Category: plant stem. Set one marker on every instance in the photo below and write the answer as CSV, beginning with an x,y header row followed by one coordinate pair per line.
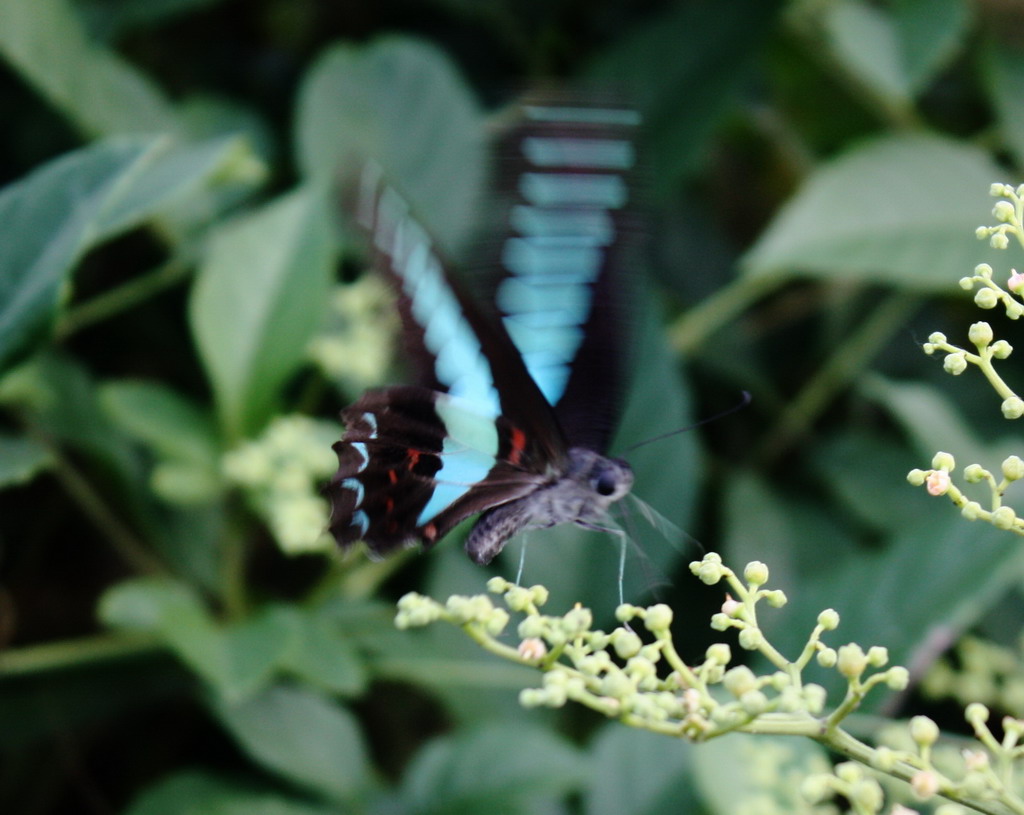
x,y
123,297
701,322
54,656
843,366
116,532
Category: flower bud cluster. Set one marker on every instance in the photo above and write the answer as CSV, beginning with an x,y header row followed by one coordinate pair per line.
x,y
281,473
938,481
634,674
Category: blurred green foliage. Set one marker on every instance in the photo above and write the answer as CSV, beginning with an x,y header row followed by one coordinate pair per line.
x,y
168,252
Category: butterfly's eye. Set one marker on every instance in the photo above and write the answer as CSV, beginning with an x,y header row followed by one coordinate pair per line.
x,y
606,483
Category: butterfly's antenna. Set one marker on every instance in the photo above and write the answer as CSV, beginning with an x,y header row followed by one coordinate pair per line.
x,y
727,412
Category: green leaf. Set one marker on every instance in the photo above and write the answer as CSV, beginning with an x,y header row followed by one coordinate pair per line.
x,y
20,460
737,773
863,40
97,90
930,34
237,660
161,418
932,422
259,298
700,52
1002,71
490,770
194,793
49,219
400,102
55,214
899,210
634,772
301,736
324,655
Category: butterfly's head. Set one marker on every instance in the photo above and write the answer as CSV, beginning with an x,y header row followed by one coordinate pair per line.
x,y
608,478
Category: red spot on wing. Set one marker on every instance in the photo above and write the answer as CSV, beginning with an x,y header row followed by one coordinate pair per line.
x,y
518,445
414,458
389,506
392,477
430,532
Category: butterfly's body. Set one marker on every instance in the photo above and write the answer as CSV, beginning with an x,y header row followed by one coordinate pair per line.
x,y
518,401
580,495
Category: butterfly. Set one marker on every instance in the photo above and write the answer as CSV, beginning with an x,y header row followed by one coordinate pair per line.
x,y
519,395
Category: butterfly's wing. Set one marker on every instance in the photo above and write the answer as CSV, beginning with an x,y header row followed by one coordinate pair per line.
x,y
413,462
565,267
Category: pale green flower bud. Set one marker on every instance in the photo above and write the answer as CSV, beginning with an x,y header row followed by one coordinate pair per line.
x,y
943,461
555,697
955,363
980,334
540,594
897,678
496,622
999,241
756,573
754,702
617,685
497,585
577,620
626,612
1003,518
829,619
1001,349
925,784
815,696
916,477
849,771
852,661
966,283
923,731
866,795
739,680
658,617
986,298
972,511
719,653
750,639
641,669
1003,211
981,233
710,573
720,622
997,189
651,651
928,348
776,598
976,714
878,655
884,759
827,657
974,473
937,338
531,697
1013,407
518,598
531,627
626,643
816,788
